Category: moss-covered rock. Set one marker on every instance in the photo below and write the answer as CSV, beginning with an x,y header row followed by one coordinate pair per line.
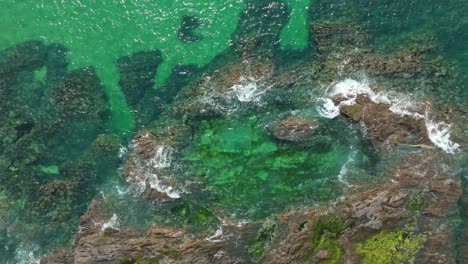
x,y
257,246
324,244
391,247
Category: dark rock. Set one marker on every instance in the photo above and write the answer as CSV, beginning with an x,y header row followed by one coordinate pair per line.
x,y
338,36
137,74
353,111
61,257
26,56
406,61
80,96
187,26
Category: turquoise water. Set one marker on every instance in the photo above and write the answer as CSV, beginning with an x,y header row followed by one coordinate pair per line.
x,y
60,140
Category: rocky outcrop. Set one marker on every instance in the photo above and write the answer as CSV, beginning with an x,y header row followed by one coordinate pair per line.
x,y
149,170
384,127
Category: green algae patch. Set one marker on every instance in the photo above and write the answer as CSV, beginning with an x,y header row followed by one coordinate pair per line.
x,y
202,217
391,247
182,211
325,237
257,246
242,165
415,204
52,169
40,74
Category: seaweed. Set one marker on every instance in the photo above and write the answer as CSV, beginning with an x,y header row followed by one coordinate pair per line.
x,y
325,237
391,247
257,246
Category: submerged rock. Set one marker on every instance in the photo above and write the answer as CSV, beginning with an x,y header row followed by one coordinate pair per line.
x,y
296,129
186,30
80,96
137,74
26,56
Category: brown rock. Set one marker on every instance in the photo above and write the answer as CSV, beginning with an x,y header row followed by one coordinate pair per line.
x,y
352,111
61,257
148,169
295,129
384,127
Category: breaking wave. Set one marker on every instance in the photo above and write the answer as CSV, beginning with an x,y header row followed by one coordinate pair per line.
x,y
438,132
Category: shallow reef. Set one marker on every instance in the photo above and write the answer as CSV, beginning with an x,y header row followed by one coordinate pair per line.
x,y
255,132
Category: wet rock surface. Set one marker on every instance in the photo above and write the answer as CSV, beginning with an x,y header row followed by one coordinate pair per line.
x,y
384,127
295,129
148,169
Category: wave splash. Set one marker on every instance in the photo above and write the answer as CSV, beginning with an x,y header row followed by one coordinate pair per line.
x,y
438,132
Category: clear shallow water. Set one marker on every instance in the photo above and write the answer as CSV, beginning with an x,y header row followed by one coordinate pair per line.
x,y
98,33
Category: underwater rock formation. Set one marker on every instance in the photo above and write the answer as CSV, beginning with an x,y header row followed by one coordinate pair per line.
x,y
295,129
80,96
137,74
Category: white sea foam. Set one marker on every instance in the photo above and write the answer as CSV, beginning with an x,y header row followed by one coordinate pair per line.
x,y
346,167
328,109
113,223
438,132
349,89
120,191
149,171
220,254
123,151
216,237
242,223
248,90
157,185
406,107
27,254
218,102
162,157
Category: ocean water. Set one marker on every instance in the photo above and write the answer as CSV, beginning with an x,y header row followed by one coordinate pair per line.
x,y
61,141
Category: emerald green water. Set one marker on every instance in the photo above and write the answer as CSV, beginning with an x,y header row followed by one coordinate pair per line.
x,y
97,33
53,164
243,166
